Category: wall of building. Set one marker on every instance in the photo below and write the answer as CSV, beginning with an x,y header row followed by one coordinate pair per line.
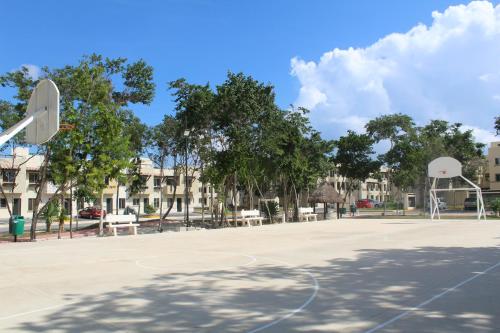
x,y
494,165
23,191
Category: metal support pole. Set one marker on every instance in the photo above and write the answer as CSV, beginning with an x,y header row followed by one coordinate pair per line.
x,y
186,197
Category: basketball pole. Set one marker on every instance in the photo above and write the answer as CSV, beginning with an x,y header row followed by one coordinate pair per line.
x,y
12,131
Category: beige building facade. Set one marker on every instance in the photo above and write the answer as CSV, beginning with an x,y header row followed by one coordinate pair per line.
x,y
20,175
492,176
372,188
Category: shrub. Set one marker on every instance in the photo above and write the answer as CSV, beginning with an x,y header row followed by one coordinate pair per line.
x,y
495,206
148,209
270,209
51,213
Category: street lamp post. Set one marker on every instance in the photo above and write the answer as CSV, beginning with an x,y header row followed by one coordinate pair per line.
x,y
186,193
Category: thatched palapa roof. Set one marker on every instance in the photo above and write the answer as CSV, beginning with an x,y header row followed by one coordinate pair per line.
x,y
325,193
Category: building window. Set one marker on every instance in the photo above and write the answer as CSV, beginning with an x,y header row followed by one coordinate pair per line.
x,y
144,181
33,178
497,160
497,177
9,176
3,203
156,202
31,203
157,182
80,204
106,180
67,206
135,202
121,203
171,180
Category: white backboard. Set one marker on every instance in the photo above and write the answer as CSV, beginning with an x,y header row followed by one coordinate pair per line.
x,y
44,105
445,167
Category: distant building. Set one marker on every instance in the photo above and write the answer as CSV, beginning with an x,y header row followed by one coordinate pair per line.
x,y
20,176
492,176
371,188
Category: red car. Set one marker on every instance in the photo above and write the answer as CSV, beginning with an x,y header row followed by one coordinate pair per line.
x,y
364,203
92,213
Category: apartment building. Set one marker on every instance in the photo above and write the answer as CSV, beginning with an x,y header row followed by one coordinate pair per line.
x,y
20,175
492,176
371,188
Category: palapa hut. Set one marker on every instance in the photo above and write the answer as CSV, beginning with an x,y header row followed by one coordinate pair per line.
x,y
325,193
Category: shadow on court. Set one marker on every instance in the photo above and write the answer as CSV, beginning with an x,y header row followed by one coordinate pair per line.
x,y
354,296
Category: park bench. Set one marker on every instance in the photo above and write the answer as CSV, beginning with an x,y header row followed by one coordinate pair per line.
x,y
128,222
307,212
250,216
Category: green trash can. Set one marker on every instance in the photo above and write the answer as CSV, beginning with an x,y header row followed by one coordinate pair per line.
x,y
343,211
16,226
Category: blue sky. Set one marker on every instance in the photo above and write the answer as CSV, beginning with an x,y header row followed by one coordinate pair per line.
x,y
201,40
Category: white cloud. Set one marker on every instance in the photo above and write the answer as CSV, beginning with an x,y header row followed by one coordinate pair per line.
x,y
482,135
33,70
448,70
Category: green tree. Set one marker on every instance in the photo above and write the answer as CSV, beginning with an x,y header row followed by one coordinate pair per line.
x,y
353,159
389,127
164,149
194,114
10,114
98,147
139,136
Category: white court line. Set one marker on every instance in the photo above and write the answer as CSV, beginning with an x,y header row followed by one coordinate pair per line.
x,y
430,300
32,311
297,310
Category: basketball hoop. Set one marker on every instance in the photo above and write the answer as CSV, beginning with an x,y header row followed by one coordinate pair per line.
x,y
42,116
447,168
66,127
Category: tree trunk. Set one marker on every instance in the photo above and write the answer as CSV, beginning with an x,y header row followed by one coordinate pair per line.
x,y
285,198
265,202
71,210
202,198
117,196
296,204
101,222
160,222
61,217
235,204
212,204
38,198
174,195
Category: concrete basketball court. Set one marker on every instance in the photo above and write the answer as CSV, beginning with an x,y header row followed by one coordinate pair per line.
x,y
334,276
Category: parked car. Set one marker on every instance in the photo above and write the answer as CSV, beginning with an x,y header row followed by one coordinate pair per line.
x,y
129,211
442,205
376,203
364,203
92,213
470,204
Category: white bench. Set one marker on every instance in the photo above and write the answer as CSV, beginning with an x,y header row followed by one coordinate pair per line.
x,y
307,212
125,221
249,216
